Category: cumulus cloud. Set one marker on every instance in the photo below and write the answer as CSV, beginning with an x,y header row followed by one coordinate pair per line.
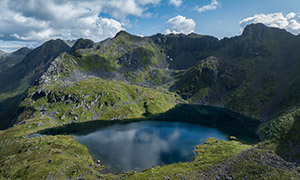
x,y
277,20
212,6
145,2
294,26
290,15
176,3
36,21
180,24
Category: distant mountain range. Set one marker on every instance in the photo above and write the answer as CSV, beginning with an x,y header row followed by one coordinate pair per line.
x,y
8,60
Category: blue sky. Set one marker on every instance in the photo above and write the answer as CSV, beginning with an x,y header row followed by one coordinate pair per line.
x,y
30,23
221,22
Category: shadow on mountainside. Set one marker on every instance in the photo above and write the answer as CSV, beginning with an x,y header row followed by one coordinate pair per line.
x,y
9,110
231,123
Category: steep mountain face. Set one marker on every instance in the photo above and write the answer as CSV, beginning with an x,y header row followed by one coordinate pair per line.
x,y
209,82
15,80
256,73
8,60
264,65
186,51
32,66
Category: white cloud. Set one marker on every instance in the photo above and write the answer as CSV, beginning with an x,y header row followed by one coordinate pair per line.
x,y
290,15
145,2
14,45
180,24
277,20
294,26
36,21
176,3
212,6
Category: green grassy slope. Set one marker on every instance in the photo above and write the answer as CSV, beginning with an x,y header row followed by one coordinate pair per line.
x,y
96,98
256,74
58,157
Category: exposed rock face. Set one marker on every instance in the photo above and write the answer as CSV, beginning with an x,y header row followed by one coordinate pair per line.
x,y
60,70
186,51
17,79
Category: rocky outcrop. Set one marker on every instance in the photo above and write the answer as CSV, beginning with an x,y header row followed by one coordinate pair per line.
x,y
62,69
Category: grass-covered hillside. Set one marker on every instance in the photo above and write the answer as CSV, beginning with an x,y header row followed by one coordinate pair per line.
x,y
130,77
59,99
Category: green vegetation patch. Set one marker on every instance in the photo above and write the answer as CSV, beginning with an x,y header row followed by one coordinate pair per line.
x,y
44,157
96,98
208,156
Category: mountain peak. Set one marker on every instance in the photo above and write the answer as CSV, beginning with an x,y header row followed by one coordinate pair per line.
x,y
125,35
257,28
54,43
122,33
22,51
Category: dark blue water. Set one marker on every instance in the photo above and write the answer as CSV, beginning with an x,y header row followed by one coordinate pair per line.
x,y
142,145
